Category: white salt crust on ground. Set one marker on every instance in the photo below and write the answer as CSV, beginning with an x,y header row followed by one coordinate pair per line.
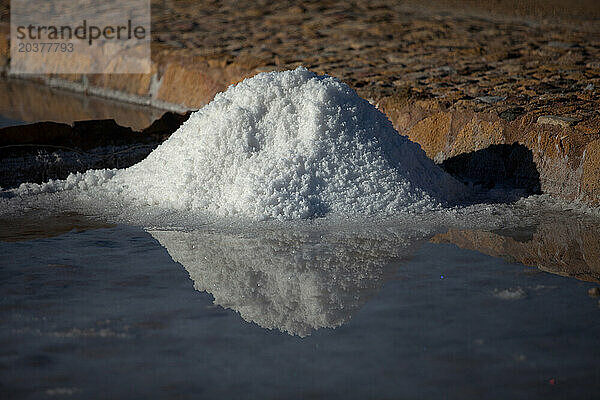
x,y
280,145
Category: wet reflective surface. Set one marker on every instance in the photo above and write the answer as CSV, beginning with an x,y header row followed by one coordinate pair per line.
x,y
567,245
295,282
6,121
26,102
111,311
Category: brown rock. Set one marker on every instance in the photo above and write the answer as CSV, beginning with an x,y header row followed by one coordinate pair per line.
x,y
82,135
4,49
187,86
563,122
591,173
38,133
432,133
131,84
590,126
28,152
163,127
476,135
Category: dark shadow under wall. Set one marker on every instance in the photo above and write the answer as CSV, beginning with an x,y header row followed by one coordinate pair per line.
x,y
48,150
505,168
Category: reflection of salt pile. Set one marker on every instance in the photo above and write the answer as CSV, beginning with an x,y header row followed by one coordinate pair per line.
x,y
295,282
283,145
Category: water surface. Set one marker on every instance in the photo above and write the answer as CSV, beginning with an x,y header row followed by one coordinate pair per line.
x,y
105,311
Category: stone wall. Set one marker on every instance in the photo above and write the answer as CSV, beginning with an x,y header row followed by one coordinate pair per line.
x,y
454,79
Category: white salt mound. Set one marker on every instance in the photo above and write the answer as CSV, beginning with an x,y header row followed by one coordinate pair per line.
x,y
281,145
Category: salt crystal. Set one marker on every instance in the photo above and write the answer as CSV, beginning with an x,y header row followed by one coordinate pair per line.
x,y
280,145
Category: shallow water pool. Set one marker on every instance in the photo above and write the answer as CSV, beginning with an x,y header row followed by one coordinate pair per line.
x,y
104,311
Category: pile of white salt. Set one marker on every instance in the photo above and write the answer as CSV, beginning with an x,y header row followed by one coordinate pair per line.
x,y
280,145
